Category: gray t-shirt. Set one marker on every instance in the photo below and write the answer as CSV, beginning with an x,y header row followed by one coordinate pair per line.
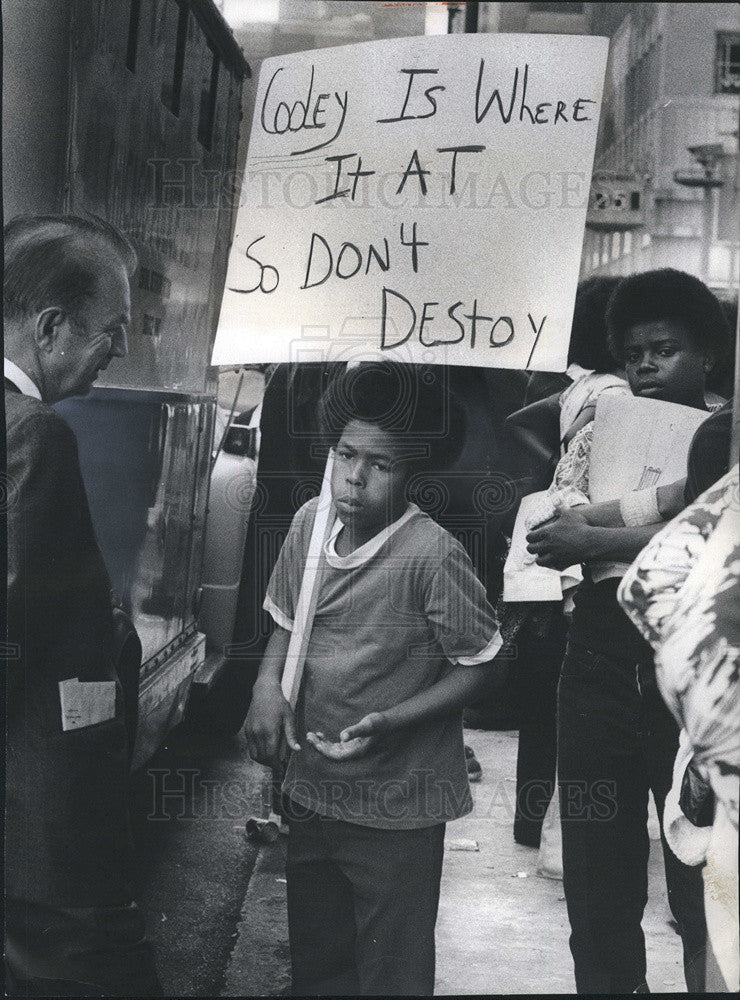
x,y
391,618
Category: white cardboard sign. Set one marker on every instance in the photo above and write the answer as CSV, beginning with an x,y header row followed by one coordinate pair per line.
x,y
419,199
639,443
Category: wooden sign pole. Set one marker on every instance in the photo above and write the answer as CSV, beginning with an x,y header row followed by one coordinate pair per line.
x,y
308,597
309,592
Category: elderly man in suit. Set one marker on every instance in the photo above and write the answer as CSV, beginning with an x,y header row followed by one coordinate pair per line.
x,y
72,926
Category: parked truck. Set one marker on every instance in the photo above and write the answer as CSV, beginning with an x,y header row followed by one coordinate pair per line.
x,y
130,110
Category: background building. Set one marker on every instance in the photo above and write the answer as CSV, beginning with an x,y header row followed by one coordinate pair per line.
x,y
665,184
665,190
276,27
267,28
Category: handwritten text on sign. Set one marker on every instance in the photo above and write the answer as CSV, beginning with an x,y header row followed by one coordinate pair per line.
x,y
421,199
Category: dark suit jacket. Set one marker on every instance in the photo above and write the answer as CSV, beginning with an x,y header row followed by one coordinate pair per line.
x,y
67,832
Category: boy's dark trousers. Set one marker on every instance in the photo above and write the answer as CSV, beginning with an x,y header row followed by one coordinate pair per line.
x,y
539,656
616,741
362,905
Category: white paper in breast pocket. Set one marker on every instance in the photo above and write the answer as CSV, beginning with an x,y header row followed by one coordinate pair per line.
x,y
85,703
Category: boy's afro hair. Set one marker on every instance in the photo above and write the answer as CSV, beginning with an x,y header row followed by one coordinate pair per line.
x,y
413,402
588,346
667,294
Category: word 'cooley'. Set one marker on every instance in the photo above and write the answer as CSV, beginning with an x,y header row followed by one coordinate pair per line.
x,y
283,113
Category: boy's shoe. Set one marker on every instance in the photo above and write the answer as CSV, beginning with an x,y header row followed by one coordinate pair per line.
x,y
475,771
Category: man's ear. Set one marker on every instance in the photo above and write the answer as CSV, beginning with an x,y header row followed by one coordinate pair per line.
x,y
49,323
709,362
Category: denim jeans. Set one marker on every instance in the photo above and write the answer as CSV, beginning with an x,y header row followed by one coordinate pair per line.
x,y
362,905
616,742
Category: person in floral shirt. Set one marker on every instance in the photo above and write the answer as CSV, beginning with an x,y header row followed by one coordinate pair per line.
x,y
683,594
617,741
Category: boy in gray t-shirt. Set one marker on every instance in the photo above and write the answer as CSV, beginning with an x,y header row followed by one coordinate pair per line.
x,y
402,638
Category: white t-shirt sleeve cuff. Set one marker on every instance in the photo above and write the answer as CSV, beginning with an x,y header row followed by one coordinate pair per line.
x,y
486,654
278,616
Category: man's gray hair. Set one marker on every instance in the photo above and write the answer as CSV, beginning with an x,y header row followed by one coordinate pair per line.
x,y
54,260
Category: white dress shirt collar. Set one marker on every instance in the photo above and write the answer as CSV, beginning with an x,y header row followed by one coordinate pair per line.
x,y
20,380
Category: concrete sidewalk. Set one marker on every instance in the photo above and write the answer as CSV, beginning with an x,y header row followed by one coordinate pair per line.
x,y
260,962
501,927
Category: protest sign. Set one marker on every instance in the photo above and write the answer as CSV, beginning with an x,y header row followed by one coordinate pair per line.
x,y
639,443
418,199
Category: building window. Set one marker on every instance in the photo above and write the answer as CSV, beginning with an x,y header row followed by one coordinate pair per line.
x,y
177,26
208,96
727,63
150,326
627,242
616,240
133,34
154,281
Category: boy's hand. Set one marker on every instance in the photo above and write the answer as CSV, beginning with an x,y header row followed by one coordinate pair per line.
x,y
561,542
269,718
354,741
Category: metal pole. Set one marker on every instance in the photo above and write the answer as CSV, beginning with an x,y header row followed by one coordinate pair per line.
x,y
706,235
